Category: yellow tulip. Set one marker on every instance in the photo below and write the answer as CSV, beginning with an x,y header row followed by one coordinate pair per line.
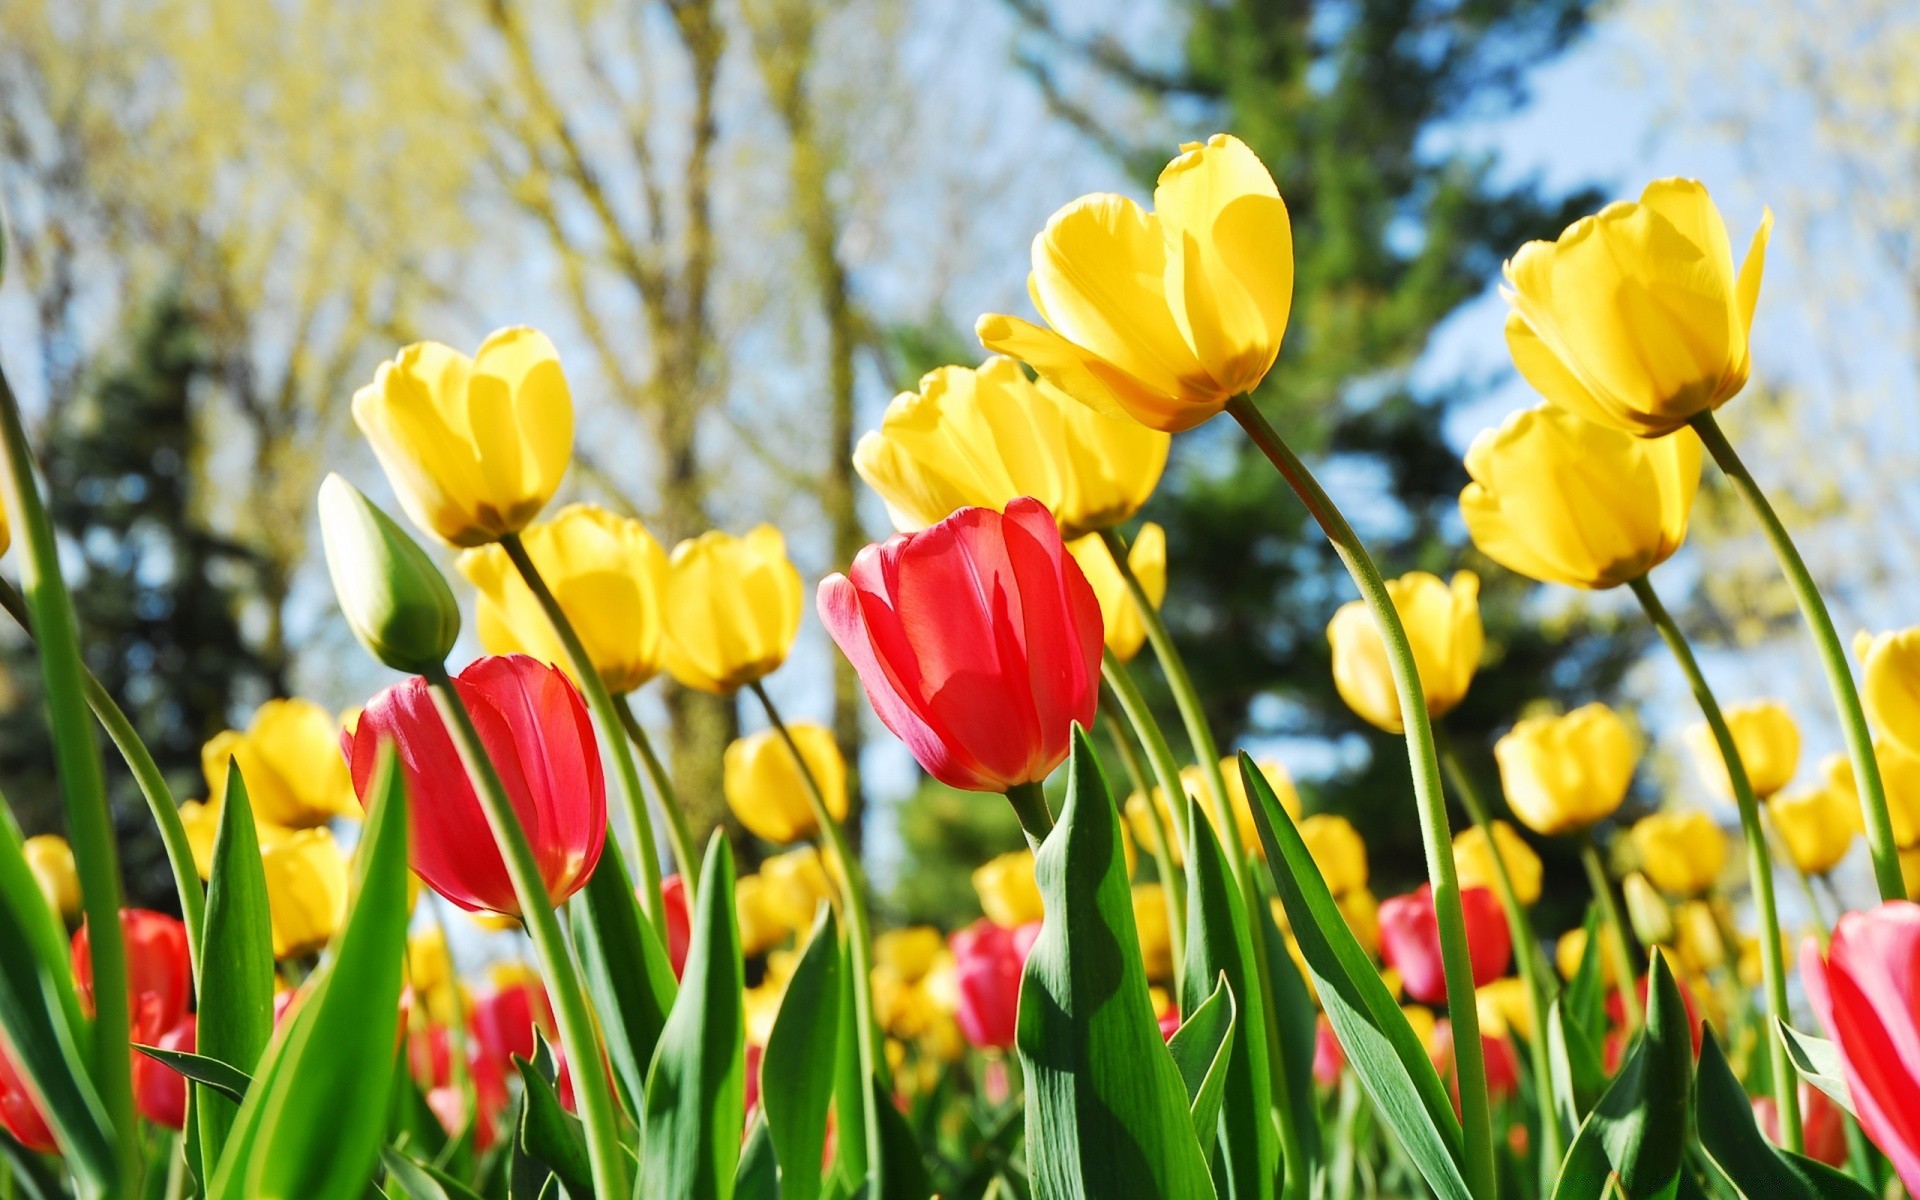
x,y
6,532
1647,911
796,883
1910,870
429,965
290,760
981,437
1504,1008
1150,919
766,790
762,914
1899,775
1681,852
1816,825
1148,559
910,953
1362,912
1443,624
1563,500
1768,743
1473,860
1564,774
1891,687
731,611
1569,950
50,859
1337,849
1697,938
1635,318
306,891
605,570
1194,782
474,447
1424,1023
1163,315
760,1006
1008,894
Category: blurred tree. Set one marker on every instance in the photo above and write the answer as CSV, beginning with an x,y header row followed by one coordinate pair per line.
x,y
1394,228
157,593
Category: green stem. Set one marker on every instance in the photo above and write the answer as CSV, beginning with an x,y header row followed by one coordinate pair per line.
x,y
1029,802
1476,1118
686,852
578,1034
1626,978
1172,883
1166,770
859,942
146,773
1759,860
1833,658
1192,713
1527,956
608,715
82,785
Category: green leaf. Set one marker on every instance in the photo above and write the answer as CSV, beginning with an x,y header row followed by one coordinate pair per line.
x,y
796,1074
1586,991
421,1181
313,1121
1828,1182
906,1170
236,965
1386,1055
696,1091
1818,1062
1297,1020
1733,1141
31,1178
1246,1163
1579,1075
1201,1049
551,1135
1636,1136
758,1177
628,977
225,1079
40,1016
1106,1113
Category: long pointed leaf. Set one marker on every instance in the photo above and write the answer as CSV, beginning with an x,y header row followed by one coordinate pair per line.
x,y
1106,1113
796,1075
236,963
1736,1145
1818,1062
627,974
1201,1049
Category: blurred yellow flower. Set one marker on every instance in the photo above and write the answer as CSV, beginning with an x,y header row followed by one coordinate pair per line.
x,y
1816,826
1425,1025
985,436
1563,500
1150,918
911,953
1337,850
732,609
1682,852
1899,776
1163,315
1635,317
766,790
290,759
1473,860
605,570
1891,687
50,859
1194,782
1563,774
1569,950
1148,559
1647,911
1697,937
306,891
1504,1008
1910,870
762,914
1362,912
1767,740
1008,894
474,447
796,883
1443,624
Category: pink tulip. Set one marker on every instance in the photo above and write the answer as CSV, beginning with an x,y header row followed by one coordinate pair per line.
x,y
1864,994
987,963
1410,941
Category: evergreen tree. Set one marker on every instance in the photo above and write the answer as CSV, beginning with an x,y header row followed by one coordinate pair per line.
x,y
157,593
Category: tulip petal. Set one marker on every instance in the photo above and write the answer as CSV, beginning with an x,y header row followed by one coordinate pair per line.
x,y
1755,265
1087,377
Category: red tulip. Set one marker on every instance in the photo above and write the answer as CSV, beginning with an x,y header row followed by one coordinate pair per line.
x,y
506,1022
987,961
1503,1066
159,971
161,1091
673,893
754,1055
1821,1121
1410,941
1864,994
1328,1058
536,731
978,642
430,1056
19,1114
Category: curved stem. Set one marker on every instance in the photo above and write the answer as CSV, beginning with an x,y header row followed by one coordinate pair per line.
x,y
1476,1118
604,710
1166,770
1192,714
1833,658
1029,801
1759,860
859,942
1527,956
146,774
83,789
1626,978
578,1034
686,852
1172,885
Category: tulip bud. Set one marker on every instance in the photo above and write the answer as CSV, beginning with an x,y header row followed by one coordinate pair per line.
x,y
1647,912
306,891
766,791
1765,738
1473,860
1147,558
1337,850
1681,852
395,601
1815,826
1697,938
1008,894
1891,688
1442,622
1564,774
51,861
